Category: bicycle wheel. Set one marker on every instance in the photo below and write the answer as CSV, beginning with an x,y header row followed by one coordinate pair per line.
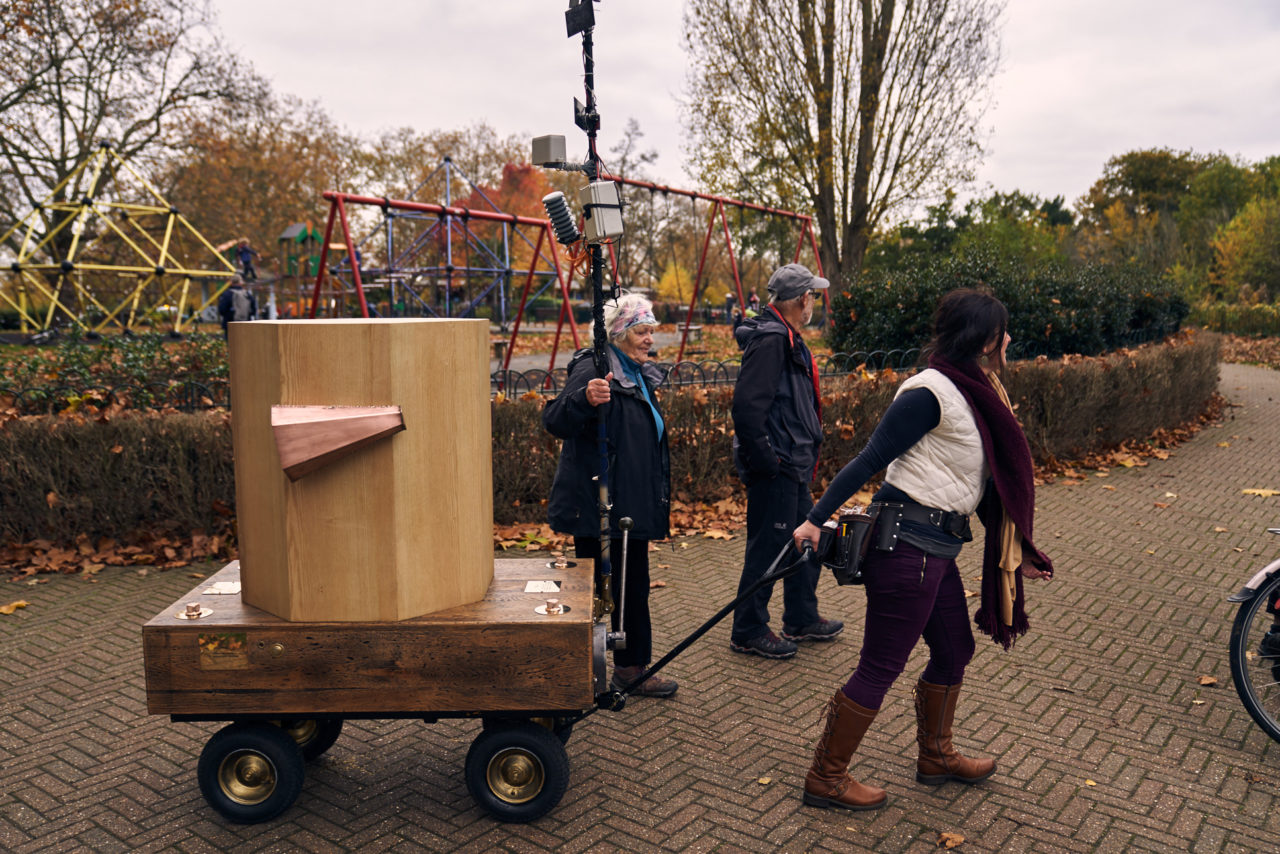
x,y
1255,658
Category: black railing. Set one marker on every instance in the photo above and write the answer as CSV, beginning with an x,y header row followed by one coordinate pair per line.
x,y
192,396
707,372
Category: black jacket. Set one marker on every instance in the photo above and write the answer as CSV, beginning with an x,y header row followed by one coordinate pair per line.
x,y
639,464
777,421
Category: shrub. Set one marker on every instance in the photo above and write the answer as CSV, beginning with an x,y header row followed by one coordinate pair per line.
x,y
1075,405
1053,309
60,477
1259,320
116,360
70,475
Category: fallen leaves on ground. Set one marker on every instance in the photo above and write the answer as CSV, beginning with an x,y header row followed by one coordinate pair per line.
x,y
13,606
947,839
1261,493
1206,679
87,557
529,537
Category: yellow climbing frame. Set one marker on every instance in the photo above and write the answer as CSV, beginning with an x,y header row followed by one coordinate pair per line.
x,y
94,294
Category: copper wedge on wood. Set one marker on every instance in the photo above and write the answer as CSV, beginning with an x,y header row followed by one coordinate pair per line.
x,y
309,437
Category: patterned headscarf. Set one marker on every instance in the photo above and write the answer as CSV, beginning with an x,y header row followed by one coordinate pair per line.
x,y
630,310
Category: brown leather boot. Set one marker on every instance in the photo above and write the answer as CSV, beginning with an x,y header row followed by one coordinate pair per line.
x,y
939,761
827,784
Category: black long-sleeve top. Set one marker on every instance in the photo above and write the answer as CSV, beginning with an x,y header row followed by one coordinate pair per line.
x,y
911,415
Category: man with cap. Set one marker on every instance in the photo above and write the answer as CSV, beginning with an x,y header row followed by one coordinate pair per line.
x,y
777,422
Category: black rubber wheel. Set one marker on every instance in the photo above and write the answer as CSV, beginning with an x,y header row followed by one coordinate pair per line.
x,y
314,736
517,772
250,772
1255,658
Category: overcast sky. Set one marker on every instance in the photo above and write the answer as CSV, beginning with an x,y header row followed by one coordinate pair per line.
x,y
1081,80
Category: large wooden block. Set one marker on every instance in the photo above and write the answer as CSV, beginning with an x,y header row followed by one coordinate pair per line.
x,y
399,528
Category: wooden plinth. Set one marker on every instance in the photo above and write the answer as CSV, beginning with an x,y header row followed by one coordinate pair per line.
x,y
494,655
398,528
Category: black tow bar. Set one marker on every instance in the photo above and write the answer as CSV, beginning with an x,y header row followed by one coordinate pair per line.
x,y
614,700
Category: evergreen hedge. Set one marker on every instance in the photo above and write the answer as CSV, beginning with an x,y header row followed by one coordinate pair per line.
x,y
1053,310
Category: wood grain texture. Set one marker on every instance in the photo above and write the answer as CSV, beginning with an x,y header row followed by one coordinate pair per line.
x,y
402,528
497,654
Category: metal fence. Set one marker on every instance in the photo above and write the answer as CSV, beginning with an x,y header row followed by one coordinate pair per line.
x,y
707,372
192,396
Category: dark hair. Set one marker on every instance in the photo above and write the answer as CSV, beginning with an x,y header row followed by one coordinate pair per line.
x,y
965,322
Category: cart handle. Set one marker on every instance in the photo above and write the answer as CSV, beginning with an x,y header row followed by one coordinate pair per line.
x,y
614,700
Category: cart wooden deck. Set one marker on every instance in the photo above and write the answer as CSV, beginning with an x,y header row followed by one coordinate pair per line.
x,y
495,655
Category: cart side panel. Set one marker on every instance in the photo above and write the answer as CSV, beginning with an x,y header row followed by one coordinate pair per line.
x,y
498,654
363,668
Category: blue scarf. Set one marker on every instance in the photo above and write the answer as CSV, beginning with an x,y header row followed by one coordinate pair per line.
x,y
632,370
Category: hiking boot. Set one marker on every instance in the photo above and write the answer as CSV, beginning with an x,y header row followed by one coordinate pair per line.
x,y
767,645
1269,646
654,686
823,630
1269,649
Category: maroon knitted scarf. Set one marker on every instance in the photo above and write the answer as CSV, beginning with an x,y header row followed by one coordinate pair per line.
x,y
1009,457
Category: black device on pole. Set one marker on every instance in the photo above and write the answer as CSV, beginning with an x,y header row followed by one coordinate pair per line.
x,y
589,120
580,18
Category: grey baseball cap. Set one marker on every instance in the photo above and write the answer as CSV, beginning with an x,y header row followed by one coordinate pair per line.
x,y
793,280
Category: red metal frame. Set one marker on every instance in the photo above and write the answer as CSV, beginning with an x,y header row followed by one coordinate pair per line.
x,y
719,203
338,210
339,201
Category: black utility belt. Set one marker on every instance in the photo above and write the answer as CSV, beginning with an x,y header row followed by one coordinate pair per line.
x,y
891,514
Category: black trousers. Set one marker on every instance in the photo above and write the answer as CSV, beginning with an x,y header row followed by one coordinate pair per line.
x,y
775,508
637,626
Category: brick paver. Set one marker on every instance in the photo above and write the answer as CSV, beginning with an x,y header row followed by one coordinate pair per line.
x,y
1105,740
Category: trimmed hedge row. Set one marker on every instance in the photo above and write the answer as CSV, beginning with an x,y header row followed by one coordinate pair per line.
x,y
60,477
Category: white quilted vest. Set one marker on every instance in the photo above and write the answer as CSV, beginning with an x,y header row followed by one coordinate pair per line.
x,y
946,468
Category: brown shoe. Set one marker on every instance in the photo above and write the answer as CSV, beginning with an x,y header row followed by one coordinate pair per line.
x,y
654,686
939,761
828,784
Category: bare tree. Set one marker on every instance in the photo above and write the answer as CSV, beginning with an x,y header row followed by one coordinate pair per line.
x,y
78,73
849,109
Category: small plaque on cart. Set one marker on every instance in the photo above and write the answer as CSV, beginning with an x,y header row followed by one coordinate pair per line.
x,y
224,651
542,587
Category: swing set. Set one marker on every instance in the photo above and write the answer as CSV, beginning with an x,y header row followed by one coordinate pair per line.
x,y
422,286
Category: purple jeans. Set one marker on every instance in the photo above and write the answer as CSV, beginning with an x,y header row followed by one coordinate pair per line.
x,y
910,595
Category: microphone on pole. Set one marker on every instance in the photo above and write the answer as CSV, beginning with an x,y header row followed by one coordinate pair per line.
x,y
561,220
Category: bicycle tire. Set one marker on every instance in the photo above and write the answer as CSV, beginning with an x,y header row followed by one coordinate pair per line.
x,y
1254,669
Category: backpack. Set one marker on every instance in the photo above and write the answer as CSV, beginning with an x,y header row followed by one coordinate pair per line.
x,y
241,304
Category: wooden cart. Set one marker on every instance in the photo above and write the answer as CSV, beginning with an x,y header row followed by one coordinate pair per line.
x,y
286,687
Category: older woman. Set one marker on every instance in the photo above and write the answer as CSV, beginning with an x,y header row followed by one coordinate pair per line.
x,y
639,473
953,447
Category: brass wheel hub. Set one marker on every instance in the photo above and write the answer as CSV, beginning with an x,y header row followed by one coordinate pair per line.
x,y
247,777
302,732
515,775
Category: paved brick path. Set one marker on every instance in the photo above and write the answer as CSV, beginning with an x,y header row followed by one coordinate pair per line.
x,y
1103,689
